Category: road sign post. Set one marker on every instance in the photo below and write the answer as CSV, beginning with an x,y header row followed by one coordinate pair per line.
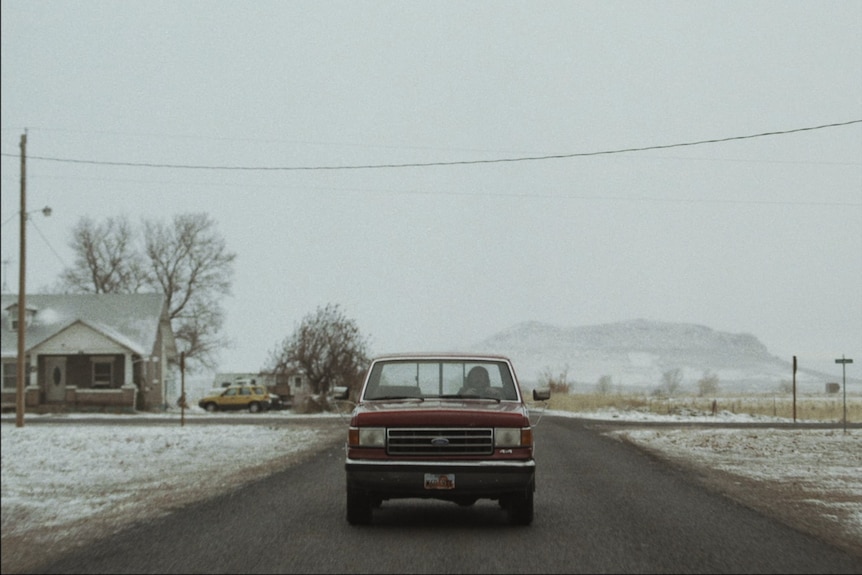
x,y
844,361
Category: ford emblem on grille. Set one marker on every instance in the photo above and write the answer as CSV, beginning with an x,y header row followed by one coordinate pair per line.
x,y
439,442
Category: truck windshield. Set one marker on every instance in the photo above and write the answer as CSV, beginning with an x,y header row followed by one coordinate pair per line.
x,y
398,379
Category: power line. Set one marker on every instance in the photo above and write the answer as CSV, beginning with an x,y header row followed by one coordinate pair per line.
x,y
436,164
47,243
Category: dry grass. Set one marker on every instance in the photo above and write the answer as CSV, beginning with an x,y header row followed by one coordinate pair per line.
x,y
816,408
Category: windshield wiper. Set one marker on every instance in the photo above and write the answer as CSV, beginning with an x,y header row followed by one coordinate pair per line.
x,y
468,396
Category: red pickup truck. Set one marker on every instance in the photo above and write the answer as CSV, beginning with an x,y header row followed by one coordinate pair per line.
x,y
443,426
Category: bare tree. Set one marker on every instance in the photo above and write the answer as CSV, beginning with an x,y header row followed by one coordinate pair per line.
x,y
708,384
671,381
187,261
603,385
107,259
328,347
191,265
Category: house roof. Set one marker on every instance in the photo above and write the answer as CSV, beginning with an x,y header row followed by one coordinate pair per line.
x,y
132,320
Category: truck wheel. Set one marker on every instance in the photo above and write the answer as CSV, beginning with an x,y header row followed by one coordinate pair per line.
x,y
211,407
358,507
254,407
520,508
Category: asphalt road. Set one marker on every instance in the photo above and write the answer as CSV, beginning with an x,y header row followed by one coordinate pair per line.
x,y
601,506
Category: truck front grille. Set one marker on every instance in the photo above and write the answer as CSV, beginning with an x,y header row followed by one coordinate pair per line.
x,y
440,441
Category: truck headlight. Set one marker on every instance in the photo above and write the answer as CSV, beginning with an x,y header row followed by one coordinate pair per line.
x,y
513,437
367,436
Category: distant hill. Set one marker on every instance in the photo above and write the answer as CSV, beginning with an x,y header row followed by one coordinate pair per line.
x,y
636,353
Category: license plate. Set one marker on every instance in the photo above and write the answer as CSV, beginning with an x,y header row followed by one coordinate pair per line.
x,y
439,481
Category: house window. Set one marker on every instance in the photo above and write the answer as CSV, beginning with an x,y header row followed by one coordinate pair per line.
x,y
10,375
103,373
13,317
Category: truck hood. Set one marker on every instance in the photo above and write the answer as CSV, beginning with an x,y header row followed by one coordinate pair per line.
x,y
441,412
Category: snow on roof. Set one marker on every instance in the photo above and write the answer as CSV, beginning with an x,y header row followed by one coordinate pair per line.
x,y
132,320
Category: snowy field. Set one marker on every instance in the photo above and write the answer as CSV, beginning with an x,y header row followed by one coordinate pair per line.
x,y
65,482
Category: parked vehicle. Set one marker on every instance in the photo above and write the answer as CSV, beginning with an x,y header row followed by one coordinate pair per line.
x,y
277,386
275,402
450,427
255,398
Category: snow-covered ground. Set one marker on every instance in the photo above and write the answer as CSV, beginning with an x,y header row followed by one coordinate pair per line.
x,y
62,482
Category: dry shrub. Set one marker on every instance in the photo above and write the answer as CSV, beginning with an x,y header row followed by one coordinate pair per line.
x,y
817,408
559,387
557,383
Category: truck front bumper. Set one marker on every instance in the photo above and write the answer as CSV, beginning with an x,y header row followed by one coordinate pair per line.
x,y
481,479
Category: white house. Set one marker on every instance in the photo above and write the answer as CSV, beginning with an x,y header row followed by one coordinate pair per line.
x,y
89,352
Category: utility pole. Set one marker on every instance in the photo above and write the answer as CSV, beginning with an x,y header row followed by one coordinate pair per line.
x,y
6,263
22,290
182,388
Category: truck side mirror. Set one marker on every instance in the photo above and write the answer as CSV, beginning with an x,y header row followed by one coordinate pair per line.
x,y
542,394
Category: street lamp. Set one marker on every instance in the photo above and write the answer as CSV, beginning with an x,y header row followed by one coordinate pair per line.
x,y
22,288
844,361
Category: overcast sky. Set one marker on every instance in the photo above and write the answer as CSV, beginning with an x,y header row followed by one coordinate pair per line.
x,y
758,235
